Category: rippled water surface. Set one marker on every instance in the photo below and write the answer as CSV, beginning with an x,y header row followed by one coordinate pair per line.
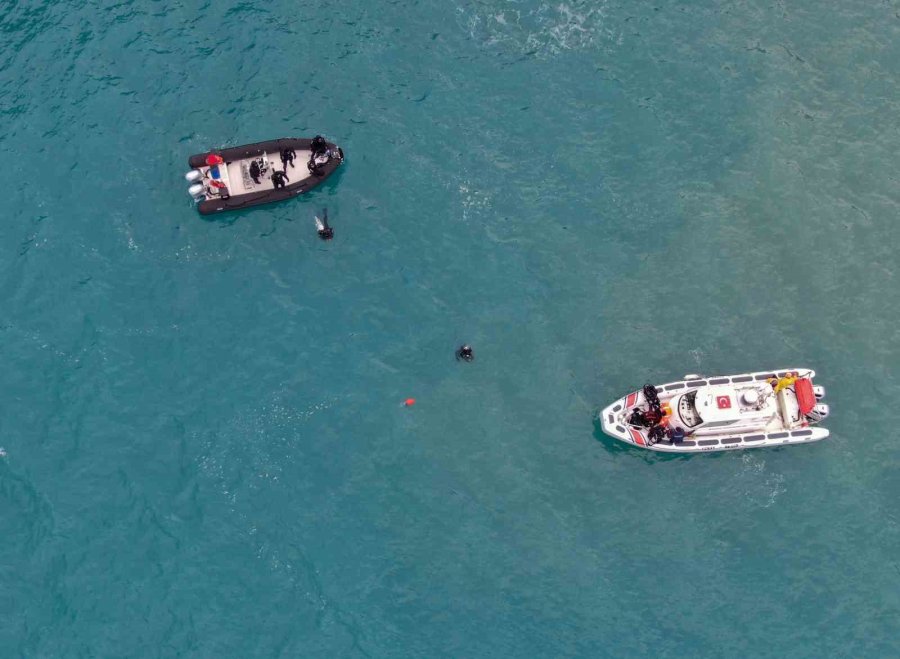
x,y
205,451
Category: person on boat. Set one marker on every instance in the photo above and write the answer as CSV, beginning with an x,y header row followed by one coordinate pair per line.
x,y
651,395
314,168
653,415
676,435
324,230
783,383
287,156
656,434
255,172
318,146
638,418
279,178
465,353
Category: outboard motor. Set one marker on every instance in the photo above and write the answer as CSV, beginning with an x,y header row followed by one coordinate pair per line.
x,y
194,176
818,413
197,191
819,391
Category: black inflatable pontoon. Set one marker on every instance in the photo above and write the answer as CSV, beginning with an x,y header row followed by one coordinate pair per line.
x,y
245,176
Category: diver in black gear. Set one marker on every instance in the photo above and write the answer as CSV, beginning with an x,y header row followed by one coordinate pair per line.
x,y
654,415
655,434
287,156
318,146
255,172
638,418
465,353
324,230
651,395
279,178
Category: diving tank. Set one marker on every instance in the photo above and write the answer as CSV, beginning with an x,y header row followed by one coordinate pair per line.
x,y
197,191
193,176
818,413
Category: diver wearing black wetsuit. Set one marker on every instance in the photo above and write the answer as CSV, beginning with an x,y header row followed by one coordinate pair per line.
x,y
287,156
279,178
255,172
318,146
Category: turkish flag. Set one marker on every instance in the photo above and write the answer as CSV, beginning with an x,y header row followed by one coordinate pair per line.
x,y
724,402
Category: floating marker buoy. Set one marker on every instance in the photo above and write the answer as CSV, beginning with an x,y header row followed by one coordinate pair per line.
x,y
409,402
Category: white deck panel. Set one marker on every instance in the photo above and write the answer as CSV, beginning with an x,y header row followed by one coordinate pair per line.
x,y
236,174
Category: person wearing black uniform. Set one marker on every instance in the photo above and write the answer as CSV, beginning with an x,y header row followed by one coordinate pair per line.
x,y
465,353
255,172
318,146
279,178
638,418
287,156
656,434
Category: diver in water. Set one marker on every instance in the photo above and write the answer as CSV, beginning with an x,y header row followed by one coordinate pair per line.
x,y
279,178
324,230
255,172
465,353
287,156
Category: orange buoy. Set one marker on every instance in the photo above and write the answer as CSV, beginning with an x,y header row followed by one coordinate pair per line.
x,y
409,402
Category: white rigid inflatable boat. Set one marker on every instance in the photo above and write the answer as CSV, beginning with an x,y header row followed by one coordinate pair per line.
x,y
721,413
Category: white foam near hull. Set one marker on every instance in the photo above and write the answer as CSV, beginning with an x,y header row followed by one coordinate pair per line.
x,y
774,421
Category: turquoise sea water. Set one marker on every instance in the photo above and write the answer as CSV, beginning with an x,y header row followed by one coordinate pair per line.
x,y
205,448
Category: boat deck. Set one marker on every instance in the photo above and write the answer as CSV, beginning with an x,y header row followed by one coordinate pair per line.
x,y
236,174
242,183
